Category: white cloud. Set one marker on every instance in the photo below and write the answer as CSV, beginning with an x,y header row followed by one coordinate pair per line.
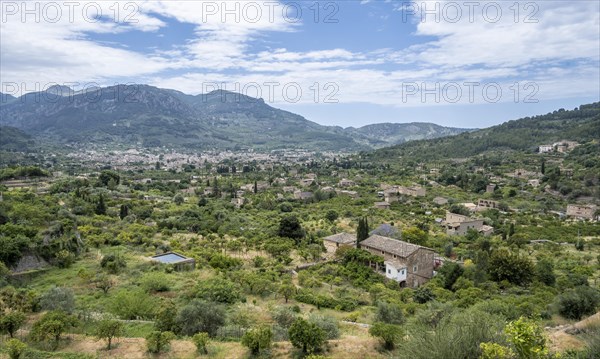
x,y
225,51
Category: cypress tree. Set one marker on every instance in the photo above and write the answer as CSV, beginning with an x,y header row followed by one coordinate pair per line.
x,y
362,231
124,211
100,206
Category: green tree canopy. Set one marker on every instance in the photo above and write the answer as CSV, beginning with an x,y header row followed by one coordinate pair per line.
x,y
306,336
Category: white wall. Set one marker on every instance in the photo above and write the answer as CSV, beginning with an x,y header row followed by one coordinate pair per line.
x,y
398,275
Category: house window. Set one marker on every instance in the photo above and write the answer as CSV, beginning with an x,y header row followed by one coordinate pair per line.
x,y
382,252
389,271
394,256
403,272
415,268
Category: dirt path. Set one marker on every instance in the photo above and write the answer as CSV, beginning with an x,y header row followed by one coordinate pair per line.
x,y
563,337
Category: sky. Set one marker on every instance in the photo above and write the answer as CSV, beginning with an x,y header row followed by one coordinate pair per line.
x,y
463,64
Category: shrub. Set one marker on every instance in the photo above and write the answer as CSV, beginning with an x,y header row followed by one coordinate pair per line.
x,y
389,334
544,271
113,263
527,337
423,295
389,313
322,301
201,340
158,341
15,348
328,324
223,262
218,289
456,335
258,339
51,327
200,316
64,258
450,272
155,282
165,317
58,298
284,316
133,304
579,302
495,351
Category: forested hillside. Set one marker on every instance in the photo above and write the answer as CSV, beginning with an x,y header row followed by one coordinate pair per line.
x,y
13,139
581,124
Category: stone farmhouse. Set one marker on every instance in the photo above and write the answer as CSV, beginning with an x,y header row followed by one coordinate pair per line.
x,y
351,194
303,195
582,211
307,182
346,183
414,191
391,193
457,224
333,242
408,264
486,203
440,201
382,205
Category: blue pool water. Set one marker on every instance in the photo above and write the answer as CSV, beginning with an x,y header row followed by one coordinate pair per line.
x,y
169,258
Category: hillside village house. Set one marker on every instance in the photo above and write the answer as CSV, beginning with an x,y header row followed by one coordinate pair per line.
x,y
472,207
382,205
440,201
333,242
561,147
346,183
280,181
302,195
391,193
582,211
307,182
414,191
490,188
351,194
457,224
260,186
408,264
238,202
486,203
565,146
289,189
523,173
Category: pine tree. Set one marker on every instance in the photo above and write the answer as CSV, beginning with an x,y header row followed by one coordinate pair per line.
x,y
255,187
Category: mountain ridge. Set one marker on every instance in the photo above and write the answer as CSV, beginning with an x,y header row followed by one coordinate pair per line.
x,y
151,116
